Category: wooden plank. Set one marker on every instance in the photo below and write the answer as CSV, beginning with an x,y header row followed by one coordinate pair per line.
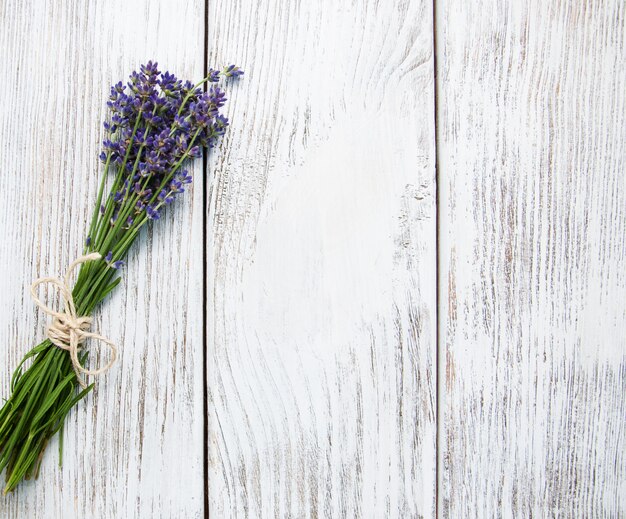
x,y
134,448
321,350
533,216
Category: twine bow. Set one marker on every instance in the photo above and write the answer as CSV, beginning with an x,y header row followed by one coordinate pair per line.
x,y
69,330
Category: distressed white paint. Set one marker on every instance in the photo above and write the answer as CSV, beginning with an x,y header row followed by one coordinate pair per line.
x,y
321,366
321,260
531,154
134,448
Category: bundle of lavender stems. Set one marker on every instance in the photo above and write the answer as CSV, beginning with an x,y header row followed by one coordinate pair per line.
x,y
156,125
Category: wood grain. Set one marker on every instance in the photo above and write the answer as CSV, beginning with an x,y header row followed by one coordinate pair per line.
x,y
134,448
321,360
321,260
533,217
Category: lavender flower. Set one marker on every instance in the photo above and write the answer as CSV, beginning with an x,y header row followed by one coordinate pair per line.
x,y
156,122
232,71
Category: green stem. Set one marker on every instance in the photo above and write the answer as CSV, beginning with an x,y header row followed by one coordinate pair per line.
x,y
120,175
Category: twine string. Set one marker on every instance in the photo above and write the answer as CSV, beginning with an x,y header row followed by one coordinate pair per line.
x,y
68,330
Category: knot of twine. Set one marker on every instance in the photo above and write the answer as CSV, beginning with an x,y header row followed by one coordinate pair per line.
x,y
68,330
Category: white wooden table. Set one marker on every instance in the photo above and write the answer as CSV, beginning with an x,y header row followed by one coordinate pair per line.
x,y
400,290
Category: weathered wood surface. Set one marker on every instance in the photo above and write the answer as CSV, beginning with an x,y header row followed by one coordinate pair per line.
x,y
322,260
134,448
532,163
321,350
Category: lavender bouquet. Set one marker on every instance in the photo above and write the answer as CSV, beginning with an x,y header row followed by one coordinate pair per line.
x,y
157,124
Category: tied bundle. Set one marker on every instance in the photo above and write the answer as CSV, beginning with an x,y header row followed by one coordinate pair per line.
x,y
157,124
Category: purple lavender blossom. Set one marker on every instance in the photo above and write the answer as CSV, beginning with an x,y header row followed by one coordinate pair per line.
x,y
232,71
113,264
157,122
152,212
